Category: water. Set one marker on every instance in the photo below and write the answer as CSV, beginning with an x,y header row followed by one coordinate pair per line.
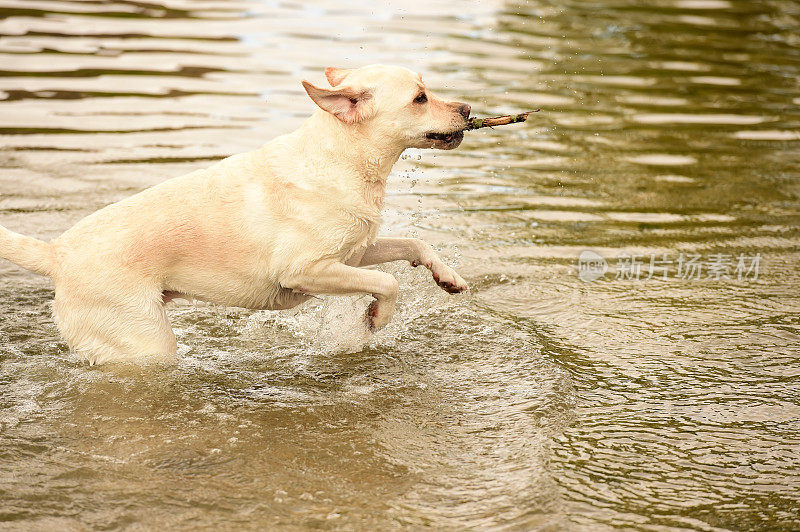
x,y
536,402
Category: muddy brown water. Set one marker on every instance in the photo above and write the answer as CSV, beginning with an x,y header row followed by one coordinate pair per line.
x,y
540,401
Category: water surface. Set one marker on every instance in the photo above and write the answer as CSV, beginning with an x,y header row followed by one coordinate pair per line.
x,y
538,401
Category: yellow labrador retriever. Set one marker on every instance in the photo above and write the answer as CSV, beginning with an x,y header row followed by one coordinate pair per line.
x,y
262,230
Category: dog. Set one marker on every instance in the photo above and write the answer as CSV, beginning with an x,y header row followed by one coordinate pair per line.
x,y
267,229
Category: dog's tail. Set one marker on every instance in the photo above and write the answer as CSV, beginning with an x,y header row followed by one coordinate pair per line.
x,y
30,253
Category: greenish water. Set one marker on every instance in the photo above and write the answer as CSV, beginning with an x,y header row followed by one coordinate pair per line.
x,y
539,401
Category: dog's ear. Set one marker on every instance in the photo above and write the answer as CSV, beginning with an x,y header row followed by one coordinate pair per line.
x,y
346,103
335,75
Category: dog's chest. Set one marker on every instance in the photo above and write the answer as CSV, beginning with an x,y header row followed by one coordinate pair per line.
x,y
348,222
294,224
356,232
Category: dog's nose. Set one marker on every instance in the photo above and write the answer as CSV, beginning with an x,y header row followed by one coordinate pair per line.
x,y
465,110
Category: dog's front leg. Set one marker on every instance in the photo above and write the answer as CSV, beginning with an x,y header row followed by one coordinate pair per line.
x,y
335,278
416,252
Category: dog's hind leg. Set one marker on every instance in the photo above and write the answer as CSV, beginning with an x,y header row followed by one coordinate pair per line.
x,y
120,327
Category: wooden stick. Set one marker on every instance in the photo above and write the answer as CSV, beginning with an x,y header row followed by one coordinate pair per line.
x,y
477,123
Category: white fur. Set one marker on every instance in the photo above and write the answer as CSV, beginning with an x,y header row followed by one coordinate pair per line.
x,y
263,230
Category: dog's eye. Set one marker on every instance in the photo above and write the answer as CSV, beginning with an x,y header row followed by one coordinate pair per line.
x,y
421,98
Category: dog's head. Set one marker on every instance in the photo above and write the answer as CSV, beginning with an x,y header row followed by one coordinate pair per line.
x,y
391,104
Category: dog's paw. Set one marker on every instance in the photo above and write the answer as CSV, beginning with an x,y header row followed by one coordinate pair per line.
x,y
447,278
377,316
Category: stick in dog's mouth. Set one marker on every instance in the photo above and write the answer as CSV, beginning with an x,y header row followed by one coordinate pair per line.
x,y
454,138
477,123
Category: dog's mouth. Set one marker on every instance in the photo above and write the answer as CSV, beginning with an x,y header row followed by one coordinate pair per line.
x,y
445,141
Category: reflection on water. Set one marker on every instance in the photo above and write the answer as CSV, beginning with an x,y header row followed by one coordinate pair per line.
x,y
539,401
